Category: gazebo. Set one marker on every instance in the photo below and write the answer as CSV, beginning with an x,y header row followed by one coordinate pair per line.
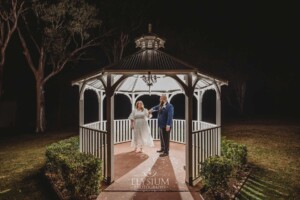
x,y
150,71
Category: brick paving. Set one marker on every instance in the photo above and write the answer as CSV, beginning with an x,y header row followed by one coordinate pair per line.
x,y
146,176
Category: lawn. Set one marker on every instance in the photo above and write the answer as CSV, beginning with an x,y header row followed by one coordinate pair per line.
x,y
273,151
22,159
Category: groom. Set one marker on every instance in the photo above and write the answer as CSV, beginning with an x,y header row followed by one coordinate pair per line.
x,y
165,118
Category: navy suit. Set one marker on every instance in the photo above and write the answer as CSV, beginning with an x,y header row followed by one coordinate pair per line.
x,y
164,118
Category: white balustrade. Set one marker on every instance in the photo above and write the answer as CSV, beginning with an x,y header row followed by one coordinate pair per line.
x,y
205,143
123,133
94,141
178,131
206,139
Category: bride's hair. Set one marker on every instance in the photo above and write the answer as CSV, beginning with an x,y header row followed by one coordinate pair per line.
x,y
136,105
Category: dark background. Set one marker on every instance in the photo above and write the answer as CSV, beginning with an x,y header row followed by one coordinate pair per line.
x,y
208,35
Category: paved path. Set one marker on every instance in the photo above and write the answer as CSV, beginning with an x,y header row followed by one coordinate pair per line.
x,y
147,176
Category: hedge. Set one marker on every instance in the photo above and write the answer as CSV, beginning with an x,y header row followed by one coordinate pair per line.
x,y
81,173
216,171
237,153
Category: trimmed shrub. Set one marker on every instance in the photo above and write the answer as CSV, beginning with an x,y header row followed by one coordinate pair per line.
x,y
215,172
81,173
237,153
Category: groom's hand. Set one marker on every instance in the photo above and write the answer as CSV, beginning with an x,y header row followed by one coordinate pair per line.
x,y
168,128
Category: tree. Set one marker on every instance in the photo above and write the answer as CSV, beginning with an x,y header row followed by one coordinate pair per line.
x,y
120,20
55,33
10,11
238,84
239,71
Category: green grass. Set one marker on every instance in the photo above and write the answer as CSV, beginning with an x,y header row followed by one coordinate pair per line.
x,y
22,158
273,151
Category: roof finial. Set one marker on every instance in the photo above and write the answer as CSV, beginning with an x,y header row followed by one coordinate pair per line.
x,y
149,28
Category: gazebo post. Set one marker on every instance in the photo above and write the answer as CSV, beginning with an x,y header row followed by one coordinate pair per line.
x,y
81,113
199,106
110,129
100,105
188,129
218,104
218,113
81,104
218,110
132,101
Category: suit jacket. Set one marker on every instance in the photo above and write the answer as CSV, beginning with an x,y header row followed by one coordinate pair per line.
x,y
165,115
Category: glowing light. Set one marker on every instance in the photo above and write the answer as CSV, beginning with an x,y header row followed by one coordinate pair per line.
x,y
149,80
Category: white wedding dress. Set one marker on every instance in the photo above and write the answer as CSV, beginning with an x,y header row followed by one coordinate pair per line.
x,y
141,133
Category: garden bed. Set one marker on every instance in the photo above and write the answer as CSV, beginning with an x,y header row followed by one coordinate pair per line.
x,y
234,185
58,186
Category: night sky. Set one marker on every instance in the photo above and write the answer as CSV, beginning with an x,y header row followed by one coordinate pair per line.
x,y
261,36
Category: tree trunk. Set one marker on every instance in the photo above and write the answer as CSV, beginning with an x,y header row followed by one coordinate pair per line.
x,y
40,108
240,94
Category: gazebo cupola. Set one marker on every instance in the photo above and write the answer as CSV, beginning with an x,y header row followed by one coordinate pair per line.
x,y
150,41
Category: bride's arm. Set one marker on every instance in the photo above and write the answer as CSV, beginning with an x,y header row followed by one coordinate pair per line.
x,y
147,113
131,118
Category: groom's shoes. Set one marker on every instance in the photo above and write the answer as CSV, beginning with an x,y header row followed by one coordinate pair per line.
x,y
163,154
160,151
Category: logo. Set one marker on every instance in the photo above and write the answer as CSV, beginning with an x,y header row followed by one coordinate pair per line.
x,y
149,181
149,173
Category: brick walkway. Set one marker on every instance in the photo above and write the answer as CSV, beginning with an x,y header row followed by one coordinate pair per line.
x,y
147,176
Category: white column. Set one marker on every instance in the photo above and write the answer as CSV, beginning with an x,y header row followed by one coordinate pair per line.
x,y
81,114
81,105
100,105
218,107
133,101
218,115
199,105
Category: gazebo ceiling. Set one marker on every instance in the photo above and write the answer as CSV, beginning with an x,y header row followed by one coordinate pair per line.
x,y
164,84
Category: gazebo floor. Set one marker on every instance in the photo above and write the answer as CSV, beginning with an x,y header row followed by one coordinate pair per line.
x,y
147,176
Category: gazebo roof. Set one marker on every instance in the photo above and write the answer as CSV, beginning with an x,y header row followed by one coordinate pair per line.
x,y
149,60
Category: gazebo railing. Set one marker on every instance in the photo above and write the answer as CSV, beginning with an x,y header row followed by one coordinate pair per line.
x,y
205,143
206,139
200,125
123,133
178,131
94,141
98,125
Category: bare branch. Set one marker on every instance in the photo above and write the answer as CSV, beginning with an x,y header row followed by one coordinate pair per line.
x,y
27,53
30,34
11,20
68,58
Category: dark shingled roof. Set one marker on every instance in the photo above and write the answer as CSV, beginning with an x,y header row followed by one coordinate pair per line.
x,y
150,59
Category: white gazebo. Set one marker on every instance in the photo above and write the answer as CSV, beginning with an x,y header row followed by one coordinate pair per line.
x,y
150,72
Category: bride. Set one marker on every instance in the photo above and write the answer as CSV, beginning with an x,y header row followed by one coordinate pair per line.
x,y
141,131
